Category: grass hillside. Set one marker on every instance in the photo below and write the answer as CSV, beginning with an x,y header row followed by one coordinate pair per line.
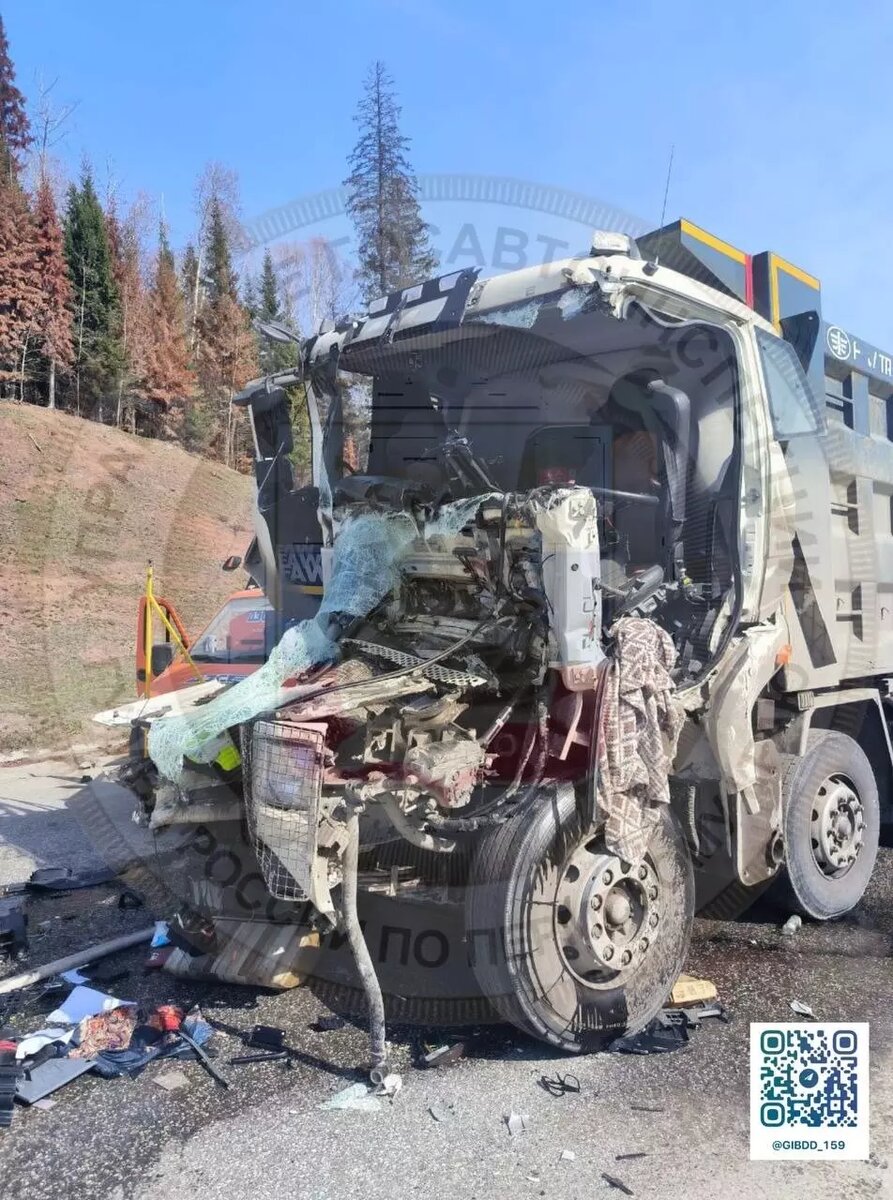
x,y
82,507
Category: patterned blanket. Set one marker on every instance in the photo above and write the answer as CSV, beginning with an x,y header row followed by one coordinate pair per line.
x,y
640,725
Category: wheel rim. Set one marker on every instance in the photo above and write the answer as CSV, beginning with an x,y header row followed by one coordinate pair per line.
x,y
837,826
607,913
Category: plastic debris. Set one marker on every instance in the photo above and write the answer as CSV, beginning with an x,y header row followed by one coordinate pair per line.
x,y
444,1056
559,1085
801,1009
567,1156
647,1108
655,1038
328,1024
634,1154
35,1042
517,1123
442,1112
161,936
171,1080
357,1096
13,927
792,924
49,1076
84,1002
689,990
390,1085
614,1182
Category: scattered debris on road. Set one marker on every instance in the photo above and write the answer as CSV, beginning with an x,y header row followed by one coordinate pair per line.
x,y
442,1112
357,1096
559,1085
688,990
614,1182
567,1156
801,1009
171,1080
13,928
517,1123
792,925
443,1056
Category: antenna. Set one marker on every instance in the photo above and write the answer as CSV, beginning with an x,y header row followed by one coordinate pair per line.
x,y
652,266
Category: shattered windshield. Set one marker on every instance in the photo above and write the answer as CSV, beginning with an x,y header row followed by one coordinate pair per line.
x,y
514,409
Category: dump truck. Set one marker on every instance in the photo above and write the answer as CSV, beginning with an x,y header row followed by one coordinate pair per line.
x,y
606,635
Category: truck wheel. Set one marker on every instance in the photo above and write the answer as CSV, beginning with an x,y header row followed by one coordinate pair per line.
x,y
831,819
568,942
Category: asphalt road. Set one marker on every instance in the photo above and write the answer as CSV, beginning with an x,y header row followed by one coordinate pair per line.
x,y
267,1135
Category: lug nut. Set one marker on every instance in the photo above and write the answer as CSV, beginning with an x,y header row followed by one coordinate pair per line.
x,y
652,893
625,958
607,878
643,872
652,920
608,953
596,903
644,944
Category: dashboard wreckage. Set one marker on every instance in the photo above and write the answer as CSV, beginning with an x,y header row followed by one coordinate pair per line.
x,y
567,647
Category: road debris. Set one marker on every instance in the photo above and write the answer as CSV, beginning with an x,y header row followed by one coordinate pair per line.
x,y
266,1037
83,1002
614,1182
13,928
648,1108
517,1123
390,1085
17,982
689,990
244,1060
444,1056
626,1157
49,1076
171,1081
801,1009
567,1156
328,1024
792,925
559,1085
442,1112
357,1096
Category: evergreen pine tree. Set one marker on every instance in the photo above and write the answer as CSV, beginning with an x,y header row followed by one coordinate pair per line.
x,y
15,130
382,195
96,300
268,306
220,277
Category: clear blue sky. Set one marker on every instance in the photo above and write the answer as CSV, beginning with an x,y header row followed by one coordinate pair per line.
x,y
780,112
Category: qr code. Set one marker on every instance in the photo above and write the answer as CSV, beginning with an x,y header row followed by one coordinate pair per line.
x,y
809,1090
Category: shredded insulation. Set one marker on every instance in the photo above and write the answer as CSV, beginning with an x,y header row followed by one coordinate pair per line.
x,y
365,567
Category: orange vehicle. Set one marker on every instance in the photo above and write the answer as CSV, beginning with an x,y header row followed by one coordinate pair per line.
x,y
235,643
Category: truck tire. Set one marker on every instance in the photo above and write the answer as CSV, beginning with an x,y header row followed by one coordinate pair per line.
x,y
539,884
831,816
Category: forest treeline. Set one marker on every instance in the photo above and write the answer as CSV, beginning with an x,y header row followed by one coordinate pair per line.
x,y
101,317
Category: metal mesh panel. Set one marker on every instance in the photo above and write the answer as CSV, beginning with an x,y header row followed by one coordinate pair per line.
x,y
441,674
282,771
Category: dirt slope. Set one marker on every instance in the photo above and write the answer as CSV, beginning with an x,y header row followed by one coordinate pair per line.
x,y
82,507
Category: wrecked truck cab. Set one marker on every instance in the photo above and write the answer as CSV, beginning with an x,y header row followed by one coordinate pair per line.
x,y
547,467
556,521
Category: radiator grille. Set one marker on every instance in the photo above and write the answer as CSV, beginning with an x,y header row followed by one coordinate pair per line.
x,y
282,771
